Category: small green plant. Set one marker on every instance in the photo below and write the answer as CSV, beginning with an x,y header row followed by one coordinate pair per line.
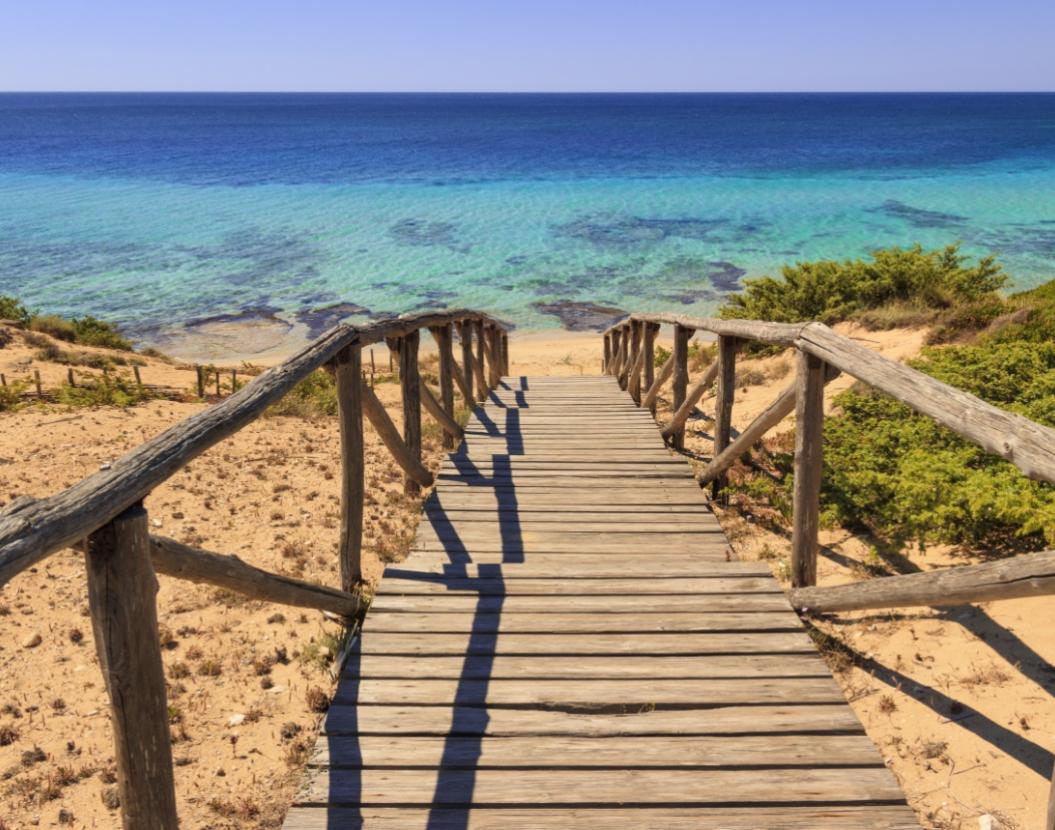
x,y
91,331
313,397
54,326
13,309
105,391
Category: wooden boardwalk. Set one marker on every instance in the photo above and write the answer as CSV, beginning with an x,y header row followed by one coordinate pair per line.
x,y
570,646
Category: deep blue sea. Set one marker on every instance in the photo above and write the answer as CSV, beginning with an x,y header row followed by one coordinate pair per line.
x,y
150,209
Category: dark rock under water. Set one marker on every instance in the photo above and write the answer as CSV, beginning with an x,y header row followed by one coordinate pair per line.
x,y
575,315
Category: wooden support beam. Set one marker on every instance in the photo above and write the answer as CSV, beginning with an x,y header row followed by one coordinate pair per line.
x,y
451,429
653,391
410,381
348,368
648,363
494,373
482,389
723,407
175,559
630,344
606,361
465,333
444,342
681,380
809,435
378,417
504,339
1026,575
122,592
752,434
691,398
634,378
617,352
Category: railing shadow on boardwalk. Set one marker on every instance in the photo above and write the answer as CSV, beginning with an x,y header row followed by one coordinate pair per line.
x,y
463,744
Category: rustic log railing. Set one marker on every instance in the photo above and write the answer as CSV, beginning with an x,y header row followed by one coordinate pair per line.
x,y
822,355
103,515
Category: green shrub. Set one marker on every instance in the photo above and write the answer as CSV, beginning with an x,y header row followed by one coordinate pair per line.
x,y
830,291
313,397
90,331
11,395
51,324
107,391
13,309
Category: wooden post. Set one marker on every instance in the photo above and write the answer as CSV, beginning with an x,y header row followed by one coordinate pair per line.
x,y
139,378
494,374
809,434
681,379
617,343
465,332
122,592
723,407
36,379
217,383
234,381
201,381
648,363
69,376
410,381
631,337
606,361
444,342
3,379
503,339
641,331
482,390
348,367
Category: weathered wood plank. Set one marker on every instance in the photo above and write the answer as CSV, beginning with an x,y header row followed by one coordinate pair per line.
x,y
761,752
629,624
643,643
121,599
822,718
806,495
579,603
753,817
348,371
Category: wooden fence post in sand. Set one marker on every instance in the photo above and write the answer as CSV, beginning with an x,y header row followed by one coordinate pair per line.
x,y
503,341
122,592
482,389
70,379
681,379
139,378
411,384
809,433
723,407
36,380
444,342
348,366
648,361
201,380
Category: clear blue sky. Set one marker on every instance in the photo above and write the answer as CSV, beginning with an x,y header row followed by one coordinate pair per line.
x,y
512,45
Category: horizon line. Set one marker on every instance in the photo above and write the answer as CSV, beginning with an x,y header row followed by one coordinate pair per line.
x,y
525,92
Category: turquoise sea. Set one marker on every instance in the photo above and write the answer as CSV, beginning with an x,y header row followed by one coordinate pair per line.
x,y
151,210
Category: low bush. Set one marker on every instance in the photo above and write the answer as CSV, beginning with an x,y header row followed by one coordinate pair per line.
x,y
107,391
54,326
313,397
831,291
13,309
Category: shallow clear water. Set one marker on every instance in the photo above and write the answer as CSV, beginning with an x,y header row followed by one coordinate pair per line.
x,y
150,209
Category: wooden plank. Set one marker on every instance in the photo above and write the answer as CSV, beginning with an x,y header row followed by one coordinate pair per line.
x,y
753,817
629,624
806,493
822,718
590,604
571,565
399,581
641,667
121,600
487,643
348,366
617,787
761,752
590,695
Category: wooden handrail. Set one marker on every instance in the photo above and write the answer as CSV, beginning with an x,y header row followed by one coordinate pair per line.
x,y
104,516
58,521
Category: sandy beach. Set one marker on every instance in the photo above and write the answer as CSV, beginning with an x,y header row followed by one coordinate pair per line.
x,y
954,700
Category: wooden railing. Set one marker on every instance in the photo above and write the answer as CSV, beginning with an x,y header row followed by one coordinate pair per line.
x,y
821,356
104,516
